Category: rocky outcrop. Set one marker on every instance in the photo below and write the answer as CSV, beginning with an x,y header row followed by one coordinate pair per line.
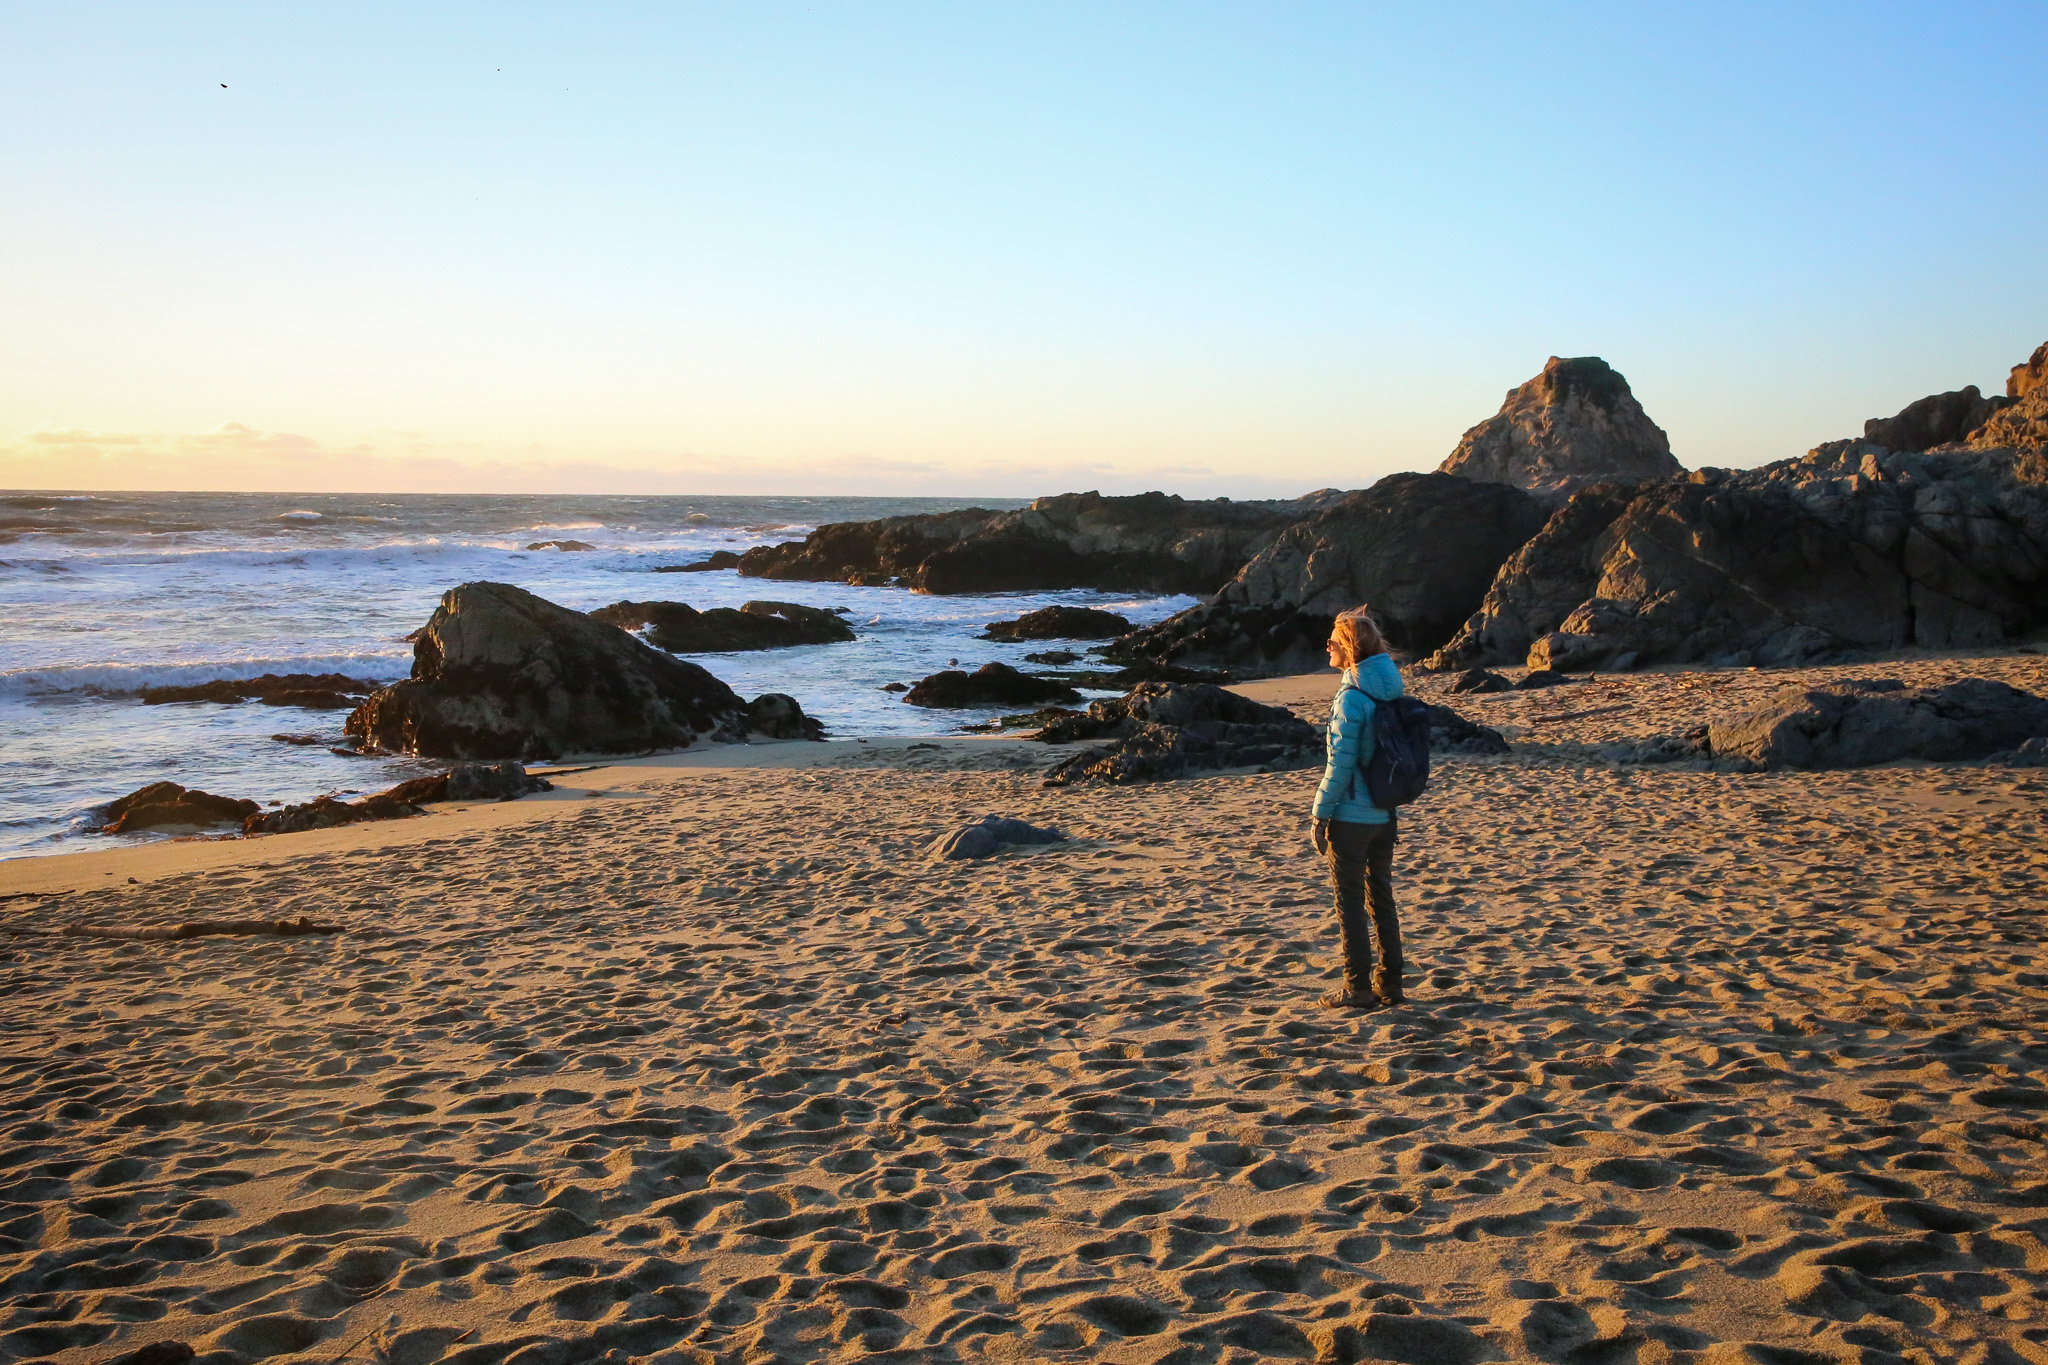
x,y
1420,548
314,691
2022,424
1856,724
1936,420
1148,542
1162,731
1572,425
989,685
1060,623
563,545
500,673
163,805
681,629
1860,722
1850,548
720,559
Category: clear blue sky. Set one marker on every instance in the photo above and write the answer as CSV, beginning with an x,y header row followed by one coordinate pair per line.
x,y
983,248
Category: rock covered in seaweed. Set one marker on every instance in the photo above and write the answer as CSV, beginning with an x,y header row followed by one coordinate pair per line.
x,y
500,673
1060,623
992,684
162,805
1161,731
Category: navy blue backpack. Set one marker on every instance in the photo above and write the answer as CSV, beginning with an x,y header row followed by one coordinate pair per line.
x,y
1398,770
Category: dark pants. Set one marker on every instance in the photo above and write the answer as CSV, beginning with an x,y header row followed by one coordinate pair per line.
x,y
1362,864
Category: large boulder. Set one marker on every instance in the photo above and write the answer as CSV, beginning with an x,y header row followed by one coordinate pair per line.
x,y
989,685
1859,722
1161,731
1147,542
1060,623
500,673
1936,420
1575,424
505,781
162,805
1850,548
681,629
1420,548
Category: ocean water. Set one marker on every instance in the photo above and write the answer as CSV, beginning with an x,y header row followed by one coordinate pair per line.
x,y
104,594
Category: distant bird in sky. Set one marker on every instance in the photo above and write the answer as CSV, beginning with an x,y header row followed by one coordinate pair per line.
x,y
223,85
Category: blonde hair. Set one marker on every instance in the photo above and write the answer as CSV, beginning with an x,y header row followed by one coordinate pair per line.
x,y
1357,636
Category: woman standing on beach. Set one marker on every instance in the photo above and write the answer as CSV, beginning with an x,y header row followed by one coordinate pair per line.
x,y
1354,834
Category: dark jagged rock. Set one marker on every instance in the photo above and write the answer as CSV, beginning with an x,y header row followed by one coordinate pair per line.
x,y
1572,425
720,559
1452,733
780,717
1149,542
569,545
1162,731
1421,548
1859,722
1856,724
499,673
327,812
1848,549
314,691
505,781
1479,681
1053,656
299,741
2031,754
1060,623
1935,420
1543,677
989,685
682,629
164,804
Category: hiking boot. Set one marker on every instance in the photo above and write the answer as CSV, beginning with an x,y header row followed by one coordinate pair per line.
x,y
1387,989
1348,999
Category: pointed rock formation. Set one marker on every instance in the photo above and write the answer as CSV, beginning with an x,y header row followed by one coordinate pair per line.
x,y
1572,425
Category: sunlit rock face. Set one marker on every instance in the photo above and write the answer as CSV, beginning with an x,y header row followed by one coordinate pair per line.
x,y
1572,425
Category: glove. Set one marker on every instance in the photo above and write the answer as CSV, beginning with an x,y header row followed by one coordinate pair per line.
x,y
1319,835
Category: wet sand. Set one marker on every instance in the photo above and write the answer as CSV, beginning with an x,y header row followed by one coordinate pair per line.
x,y
699,1059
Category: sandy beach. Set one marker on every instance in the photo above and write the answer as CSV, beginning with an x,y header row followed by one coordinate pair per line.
x,y
699,1058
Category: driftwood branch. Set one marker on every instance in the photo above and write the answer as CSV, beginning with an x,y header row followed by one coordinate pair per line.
x,y
276,928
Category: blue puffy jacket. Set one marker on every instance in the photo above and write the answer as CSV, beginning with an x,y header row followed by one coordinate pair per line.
x,y
1342,795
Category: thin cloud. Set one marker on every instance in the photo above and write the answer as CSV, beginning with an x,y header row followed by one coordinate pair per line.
x,y
239,457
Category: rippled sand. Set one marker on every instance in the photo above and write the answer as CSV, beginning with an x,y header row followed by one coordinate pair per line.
x,y
700,1060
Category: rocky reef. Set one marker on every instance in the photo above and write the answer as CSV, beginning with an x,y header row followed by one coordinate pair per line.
x,y
1147,542
1849,548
